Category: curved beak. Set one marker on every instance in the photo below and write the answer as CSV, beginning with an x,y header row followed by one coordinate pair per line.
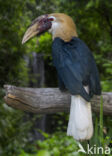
x,y
38,26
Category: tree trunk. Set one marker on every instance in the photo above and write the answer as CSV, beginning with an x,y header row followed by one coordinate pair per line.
x,y
37,79
36,72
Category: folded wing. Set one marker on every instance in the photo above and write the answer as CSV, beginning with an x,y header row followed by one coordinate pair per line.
x,y
76,67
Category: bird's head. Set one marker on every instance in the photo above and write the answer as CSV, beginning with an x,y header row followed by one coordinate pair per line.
x,y
58,24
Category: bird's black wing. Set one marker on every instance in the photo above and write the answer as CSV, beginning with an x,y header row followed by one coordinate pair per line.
x,y
76,67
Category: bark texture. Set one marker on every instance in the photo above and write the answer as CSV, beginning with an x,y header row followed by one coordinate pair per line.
x,y
49,100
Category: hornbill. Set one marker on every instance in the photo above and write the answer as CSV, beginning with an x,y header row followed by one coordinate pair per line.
x,y
76,69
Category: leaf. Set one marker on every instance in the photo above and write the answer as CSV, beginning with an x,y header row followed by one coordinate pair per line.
x,y
24,154
43,153
89,4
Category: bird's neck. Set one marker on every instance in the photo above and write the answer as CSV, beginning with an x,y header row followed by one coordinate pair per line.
x,y
64,32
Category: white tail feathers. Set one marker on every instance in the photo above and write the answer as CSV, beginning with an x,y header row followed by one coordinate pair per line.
x,y
80,124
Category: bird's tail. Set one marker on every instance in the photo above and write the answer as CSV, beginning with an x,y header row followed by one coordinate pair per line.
x,y
80,124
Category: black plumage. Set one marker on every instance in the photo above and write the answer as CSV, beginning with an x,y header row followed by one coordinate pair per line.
x,y
76,67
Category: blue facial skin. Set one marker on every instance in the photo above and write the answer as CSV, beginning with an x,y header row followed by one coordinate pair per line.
x,y
76,67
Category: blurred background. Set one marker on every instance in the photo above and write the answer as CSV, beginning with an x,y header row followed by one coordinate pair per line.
x,y
30,65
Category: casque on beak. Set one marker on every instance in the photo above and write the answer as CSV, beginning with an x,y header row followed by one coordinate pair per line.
x,y
38,26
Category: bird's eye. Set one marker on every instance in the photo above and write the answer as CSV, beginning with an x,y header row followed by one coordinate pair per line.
x,y
51,19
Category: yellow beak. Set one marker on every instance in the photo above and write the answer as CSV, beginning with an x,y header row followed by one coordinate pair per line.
x,y
38,26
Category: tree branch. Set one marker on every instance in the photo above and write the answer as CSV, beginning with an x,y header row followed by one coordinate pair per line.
x,y
49,100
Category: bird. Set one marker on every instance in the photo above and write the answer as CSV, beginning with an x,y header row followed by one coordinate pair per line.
x,y
76,69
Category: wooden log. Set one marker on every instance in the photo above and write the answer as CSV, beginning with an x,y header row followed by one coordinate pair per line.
x,y
49,100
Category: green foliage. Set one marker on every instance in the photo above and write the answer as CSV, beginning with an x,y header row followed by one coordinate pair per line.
x,y
56,145
59,144
11,32
14,131
44,45
43,153
102,136
106,85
